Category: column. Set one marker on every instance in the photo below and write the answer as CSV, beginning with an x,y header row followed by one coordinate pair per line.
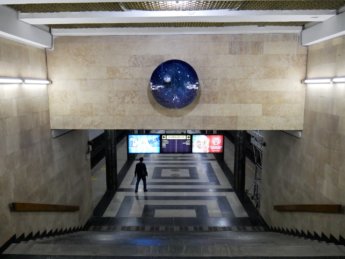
x,y
240,163
130,157
111,159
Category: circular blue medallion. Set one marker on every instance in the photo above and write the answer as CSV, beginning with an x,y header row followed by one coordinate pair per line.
x,y
174,84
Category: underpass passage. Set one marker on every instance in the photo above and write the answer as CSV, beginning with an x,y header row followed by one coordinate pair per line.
x,y
185,191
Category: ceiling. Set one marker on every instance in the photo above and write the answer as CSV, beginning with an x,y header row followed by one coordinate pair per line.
x,y
116,17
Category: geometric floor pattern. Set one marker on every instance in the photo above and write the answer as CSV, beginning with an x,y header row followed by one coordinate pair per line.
x,y
188,191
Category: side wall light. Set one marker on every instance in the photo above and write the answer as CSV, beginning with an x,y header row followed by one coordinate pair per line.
x,y
10,80
37,81
324,80
18,80
338,79
317,81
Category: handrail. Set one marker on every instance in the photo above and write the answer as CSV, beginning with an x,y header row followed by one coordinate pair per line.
x,y
39,207
316,208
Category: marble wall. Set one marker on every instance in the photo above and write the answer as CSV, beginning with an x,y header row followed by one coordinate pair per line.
x,y
311,170
247,82
33,166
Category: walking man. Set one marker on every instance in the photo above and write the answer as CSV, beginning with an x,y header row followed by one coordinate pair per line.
x,y
140,173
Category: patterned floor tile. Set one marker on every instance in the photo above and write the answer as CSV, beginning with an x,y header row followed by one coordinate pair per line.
x,y
185,193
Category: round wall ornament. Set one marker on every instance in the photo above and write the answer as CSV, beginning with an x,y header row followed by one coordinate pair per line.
x,y
174,84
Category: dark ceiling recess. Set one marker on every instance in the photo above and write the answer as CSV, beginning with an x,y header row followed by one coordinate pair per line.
x,y
190,5
53,8
184,5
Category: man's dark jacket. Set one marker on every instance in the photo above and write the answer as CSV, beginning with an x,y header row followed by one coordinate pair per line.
x,y
140,170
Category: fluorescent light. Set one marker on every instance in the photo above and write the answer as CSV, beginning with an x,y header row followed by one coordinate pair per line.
x,y
17,80
37,81
325,80
338,79
10,80
318,81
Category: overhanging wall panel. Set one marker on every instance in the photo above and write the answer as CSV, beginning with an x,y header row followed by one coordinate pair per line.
x,y
246,82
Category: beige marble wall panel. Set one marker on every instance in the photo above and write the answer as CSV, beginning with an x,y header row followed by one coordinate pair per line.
x,y
311,170
247,82
33,166
246,47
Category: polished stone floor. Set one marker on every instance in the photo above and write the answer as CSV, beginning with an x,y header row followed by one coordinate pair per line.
x,y
184,190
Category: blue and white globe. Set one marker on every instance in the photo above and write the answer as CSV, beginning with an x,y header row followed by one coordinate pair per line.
x,y
174,84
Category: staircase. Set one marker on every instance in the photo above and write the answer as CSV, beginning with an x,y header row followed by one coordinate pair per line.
x,y
159,224
254,243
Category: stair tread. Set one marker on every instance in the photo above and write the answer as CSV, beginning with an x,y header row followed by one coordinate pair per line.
x,y
187,250
88,243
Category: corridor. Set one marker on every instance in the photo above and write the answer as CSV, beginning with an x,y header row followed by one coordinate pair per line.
x,y
186,192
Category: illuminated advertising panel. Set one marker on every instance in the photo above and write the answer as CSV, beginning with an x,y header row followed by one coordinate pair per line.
x,y
176,144
141,144
207,143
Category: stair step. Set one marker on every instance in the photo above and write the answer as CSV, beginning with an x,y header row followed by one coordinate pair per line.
x,y
177,244
20,248
184,250
230,236
175,228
